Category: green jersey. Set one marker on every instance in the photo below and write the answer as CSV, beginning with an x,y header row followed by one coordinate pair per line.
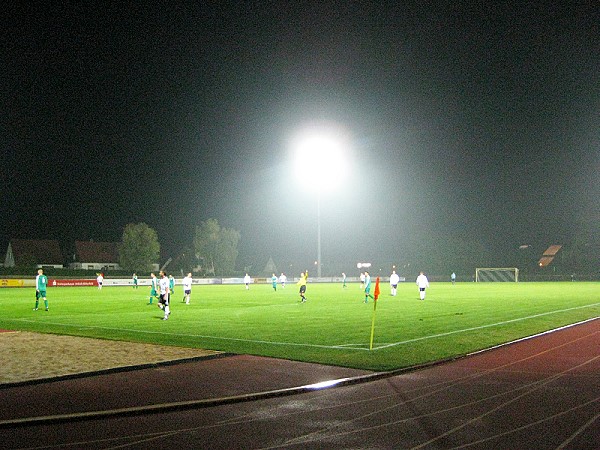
x,y
41,281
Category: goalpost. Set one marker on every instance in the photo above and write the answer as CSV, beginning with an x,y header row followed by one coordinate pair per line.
x,y
496,274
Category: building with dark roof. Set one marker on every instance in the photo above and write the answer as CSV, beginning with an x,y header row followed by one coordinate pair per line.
x,y
92,255
34,252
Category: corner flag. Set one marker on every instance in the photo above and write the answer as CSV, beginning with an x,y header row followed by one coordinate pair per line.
x,y
375,297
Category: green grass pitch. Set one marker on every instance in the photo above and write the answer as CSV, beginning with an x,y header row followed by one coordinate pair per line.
x,y
332,327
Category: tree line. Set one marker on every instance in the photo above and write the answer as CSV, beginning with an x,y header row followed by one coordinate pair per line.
x,y
215,248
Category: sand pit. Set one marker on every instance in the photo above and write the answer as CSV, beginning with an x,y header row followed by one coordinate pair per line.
x,y
30,356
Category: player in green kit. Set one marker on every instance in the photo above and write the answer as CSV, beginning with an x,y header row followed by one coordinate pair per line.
x,y
153,287
41,281
171,284
367,287
274,282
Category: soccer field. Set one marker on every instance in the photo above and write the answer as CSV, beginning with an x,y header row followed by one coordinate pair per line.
x,y
332,327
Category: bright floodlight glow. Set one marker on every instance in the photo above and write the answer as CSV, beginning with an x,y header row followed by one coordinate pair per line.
x,y
320,160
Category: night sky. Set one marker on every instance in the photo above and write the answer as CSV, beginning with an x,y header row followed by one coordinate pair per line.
x,y
466,125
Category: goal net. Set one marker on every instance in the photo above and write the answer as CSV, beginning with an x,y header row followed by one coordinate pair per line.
x,y
497,274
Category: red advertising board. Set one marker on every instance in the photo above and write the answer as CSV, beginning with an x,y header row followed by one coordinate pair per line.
x,y
61,283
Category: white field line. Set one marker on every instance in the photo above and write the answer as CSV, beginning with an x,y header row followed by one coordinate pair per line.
x,y
203,336
504,322
358,346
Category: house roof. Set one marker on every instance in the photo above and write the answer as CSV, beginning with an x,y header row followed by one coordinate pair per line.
x,y
98,252
44,251
552,250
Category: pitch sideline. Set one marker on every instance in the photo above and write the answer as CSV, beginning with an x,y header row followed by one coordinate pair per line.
x,y
347,346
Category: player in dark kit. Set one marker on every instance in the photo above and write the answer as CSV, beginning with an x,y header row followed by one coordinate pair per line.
x,y
302,283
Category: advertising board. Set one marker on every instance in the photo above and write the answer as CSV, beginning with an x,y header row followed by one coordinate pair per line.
x,y
64,283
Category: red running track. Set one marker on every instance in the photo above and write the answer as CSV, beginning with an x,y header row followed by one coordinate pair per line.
x,y
540,393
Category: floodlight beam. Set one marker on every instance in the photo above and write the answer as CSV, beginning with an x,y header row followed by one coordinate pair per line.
x,y
321,164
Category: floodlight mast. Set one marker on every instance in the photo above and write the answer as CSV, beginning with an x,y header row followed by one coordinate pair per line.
x,y
324,150
319,233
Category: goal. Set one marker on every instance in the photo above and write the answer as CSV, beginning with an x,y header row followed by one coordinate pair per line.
x,y
496,274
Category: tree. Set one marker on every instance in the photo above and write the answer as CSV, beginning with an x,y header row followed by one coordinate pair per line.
x,y
184,262
205,243
227,251
139,249
217,246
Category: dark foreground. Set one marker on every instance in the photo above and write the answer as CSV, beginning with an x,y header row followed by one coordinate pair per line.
x,y
541,393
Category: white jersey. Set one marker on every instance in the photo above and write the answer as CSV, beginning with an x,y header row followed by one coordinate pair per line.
x,y
247,279
394,279
282,279
100,279
187,283
422,281
164,285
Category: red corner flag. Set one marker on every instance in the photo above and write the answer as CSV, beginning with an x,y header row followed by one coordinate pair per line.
x,y
375,297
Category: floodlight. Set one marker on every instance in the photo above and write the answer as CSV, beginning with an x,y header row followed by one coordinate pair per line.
x,y
320,160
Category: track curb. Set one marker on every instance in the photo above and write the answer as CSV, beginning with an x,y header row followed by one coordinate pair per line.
x,y
112,370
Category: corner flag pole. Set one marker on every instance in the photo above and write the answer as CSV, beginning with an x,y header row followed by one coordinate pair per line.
x,y
375,297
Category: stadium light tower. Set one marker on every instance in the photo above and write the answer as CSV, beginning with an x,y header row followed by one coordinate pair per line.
x,y
321,164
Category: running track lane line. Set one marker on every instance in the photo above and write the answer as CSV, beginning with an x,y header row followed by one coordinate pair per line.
x,y
530,387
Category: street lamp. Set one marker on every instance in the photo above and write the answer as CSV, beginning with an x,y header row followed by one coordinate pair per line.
x,y
320,165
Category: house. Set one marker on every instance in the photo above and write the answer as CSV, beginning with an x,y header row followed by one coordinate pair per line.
x,y
33,252
92,255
